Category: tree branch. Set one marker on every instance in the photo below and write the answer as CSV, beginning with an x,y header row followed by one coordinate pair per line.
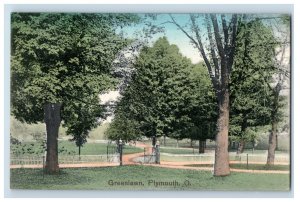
x,y
217,35
212,50
201,49
232,41
225,29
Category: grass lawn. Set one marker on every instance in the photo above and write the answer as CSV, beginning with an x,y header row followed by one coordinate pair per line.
x,y
258,157
178,151
181,150
199,158
250,166
99,179
95,148
69,148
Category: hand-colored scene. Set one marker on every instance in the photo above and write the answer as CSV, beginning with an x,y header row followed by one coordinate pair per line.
x,y
150,101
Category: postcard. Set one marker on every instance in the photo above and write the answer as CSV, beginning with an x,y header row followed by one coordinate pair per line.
x,y
150,101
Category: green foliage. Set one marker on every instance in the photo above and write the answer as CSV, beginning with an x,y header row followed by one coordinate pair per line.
x,y
64,58
203,105
286,19
27,149
82,118
123,128
166,92
251,75
14,141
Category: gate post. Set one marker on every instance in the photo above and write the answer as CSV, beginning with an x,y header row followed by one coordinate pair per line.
x,y
157,153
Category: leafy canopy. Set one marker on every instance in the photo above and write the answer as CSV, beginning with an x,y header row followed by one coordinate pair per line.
x,y
162,96
64,58
252,73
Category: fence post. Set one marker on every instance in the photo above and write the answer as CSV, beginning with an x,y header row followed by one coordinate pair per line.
x,y
157,153
107,153
43,166
121,151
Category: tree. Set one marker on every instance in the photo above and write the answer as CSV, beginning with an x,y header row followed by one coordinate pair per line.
x,y
156,100
123,127
202,107
254,62
81,119
281,29
270,70
56,60
221,33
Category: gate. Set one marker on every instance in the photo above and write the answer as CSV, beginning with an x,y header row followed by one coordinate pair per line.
x,y
152,156
112,153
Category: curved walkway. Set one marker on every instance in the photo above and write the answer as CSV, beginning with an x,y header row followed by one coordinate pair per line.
x,y
128,159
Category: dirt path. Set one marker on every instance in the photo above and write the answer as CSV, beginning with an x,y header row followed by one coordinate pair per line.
x,y
128,159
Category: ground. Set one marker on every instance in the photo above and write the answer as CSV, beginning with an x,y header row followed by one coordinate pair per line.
x,y
170,175
100,178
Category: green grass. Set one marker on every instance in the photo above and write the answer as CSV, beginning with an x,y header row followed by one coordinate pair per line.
x,y
261,167
250,166
181,150
178,151
258,157
69,148
198,158
260,151
96,148
185,143
98,178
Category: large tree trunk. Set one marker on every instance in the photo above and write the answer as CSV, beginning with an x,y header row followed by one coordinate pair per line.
x,y
272,144
241,147
221,167
202,146
52,120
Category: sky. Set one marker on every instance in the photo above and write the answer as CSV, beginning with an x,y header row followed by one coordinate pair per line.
x,y
174,35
